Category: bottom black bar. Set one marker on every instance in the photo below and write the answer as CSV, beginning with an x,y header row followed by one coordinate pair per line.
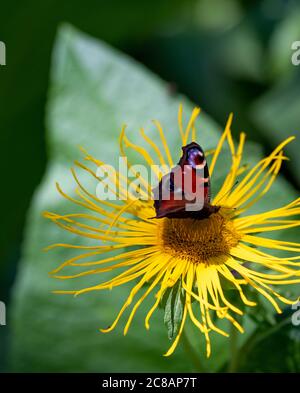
x,y
134,382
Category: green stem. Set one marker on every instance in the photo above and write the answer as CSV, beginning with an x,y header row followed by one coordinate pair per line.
x,y
192,354
257,337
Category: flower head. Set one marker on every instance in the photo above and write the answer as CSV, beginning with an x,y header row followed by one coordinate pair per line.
x,y
156,254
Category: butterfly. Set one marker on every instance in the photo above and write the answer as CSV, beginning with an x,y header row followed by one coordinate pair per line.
x,y
174,193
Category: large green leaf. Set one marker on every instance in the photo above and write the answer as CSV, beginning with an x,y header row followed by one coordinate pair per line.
x,y
94,89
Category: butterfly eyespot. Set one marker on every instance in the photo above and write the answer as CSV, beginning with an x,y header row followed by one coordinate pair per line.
x,y
195,157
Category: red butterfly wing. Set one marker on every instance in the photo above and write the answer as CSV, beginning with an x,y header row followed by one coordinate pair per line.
x,y
187,182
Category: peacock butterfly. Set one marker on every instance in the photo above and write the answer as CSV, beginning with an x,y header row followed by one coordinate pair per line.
x,y
185,191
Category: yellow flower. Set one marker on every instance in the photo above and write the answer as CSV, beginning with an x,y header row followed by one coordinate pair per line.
x,y
199,254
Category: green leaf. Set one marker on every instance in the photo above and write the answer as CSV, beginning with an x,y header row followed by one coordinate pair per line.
x,y
95,89
174,309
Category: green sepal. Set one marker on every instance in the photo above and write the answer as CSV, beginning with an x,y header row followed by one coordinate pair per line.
x,y
173,303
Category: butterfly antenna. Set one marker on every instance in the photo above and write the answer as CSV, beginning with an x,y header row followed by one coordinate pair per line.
x,y
229,191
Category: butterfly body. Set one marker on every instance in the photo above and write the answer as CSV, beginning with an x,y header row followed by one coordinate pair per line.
x,y
182,194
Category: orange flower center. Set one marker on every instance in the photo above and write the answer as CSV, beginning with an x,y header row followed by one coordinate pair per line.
x,y
199,241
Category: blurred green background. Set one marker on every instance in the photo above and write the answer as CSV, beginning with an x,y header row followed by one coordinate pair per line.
x,y
224,55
